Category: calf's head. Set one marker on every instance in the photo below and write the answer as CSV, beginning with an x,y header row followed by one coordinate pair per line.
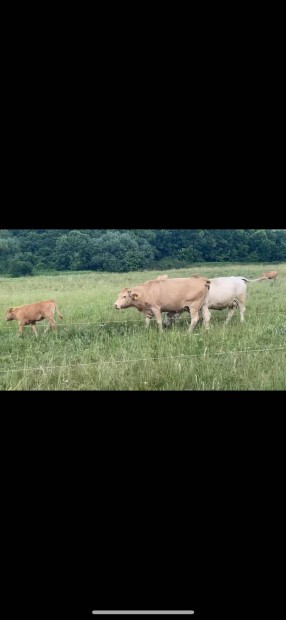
x,y
10,314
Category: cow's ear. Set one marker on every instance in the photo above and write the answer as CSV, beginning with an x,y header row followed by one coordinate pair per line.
x,y
134,296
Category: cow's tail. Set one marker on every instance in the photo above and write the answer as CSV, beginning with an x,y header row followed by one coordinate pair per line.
x,y
57,311
256,280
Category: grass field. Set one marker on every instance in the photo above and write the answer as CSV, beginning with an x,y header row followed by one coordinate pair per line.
x,y
99,348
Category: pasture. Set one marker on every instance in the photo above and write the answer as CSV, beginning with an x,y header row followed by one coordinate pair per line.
x,y
99,348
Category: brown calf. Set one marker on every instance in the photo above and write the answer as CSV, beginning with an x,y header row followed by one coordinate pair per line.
x,y
29,314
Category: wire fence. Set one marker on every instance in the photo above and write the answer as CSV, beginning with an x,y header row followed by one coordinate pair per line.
x,y
142,359
138,321
101,323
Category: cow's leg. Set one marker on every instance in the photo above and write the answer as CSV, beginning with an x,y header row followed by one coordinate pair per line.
x,y
206,316
241,310
171,318
158,317
148,318
230,314
20,329
168,319
194,312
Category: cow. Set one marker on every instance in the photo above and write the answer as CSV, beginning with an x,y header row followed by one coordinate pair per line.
x,y
29,314
225,292
270,275
167,295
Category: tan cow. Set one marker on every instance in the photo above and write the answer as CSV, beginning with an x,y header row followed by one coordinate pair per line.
x,y
29,314
168,295
270,275
147,312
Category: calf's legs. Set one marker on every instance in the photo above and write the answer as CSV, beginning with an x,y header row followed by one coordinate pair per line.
x,y
34,329
52,325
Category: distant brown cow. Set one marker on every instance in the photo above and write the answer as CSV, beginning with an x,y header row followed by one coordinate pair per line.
x,y
29,314
168,295
270,275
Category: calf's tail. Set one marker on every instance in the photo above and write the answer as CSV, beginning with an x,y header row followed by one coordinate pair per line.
x,y
57,311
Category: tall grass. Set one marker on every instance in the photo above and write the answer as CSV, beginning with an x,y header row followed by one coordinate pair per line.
x,y
114,351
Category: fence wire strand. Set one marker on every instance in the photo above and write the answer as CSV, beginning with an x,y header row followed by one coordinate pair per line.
x,y
139,322
142,359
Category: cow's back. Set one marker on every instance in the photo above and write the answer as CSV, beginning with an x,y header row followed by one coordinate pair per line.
x,y
225,290
174,293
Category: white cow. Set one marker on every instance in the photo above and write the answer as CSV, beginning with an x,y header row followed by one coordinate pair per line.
x,y
227,292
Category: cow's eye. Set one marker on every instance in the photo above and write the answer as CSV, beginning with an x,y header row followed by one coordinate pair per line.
x,y
124,296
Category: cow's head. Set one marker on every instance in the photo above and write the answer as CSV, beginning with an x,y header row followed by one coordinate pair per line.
x,y
126,299
10,314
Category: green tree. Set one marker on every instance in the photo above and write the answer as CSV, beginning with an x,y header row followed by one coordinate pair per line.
x,y
20,268
120,252
9,247
73,251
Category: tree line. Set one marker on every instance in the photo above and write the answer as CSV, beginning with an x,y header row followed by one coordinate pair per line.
x,y
26,251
